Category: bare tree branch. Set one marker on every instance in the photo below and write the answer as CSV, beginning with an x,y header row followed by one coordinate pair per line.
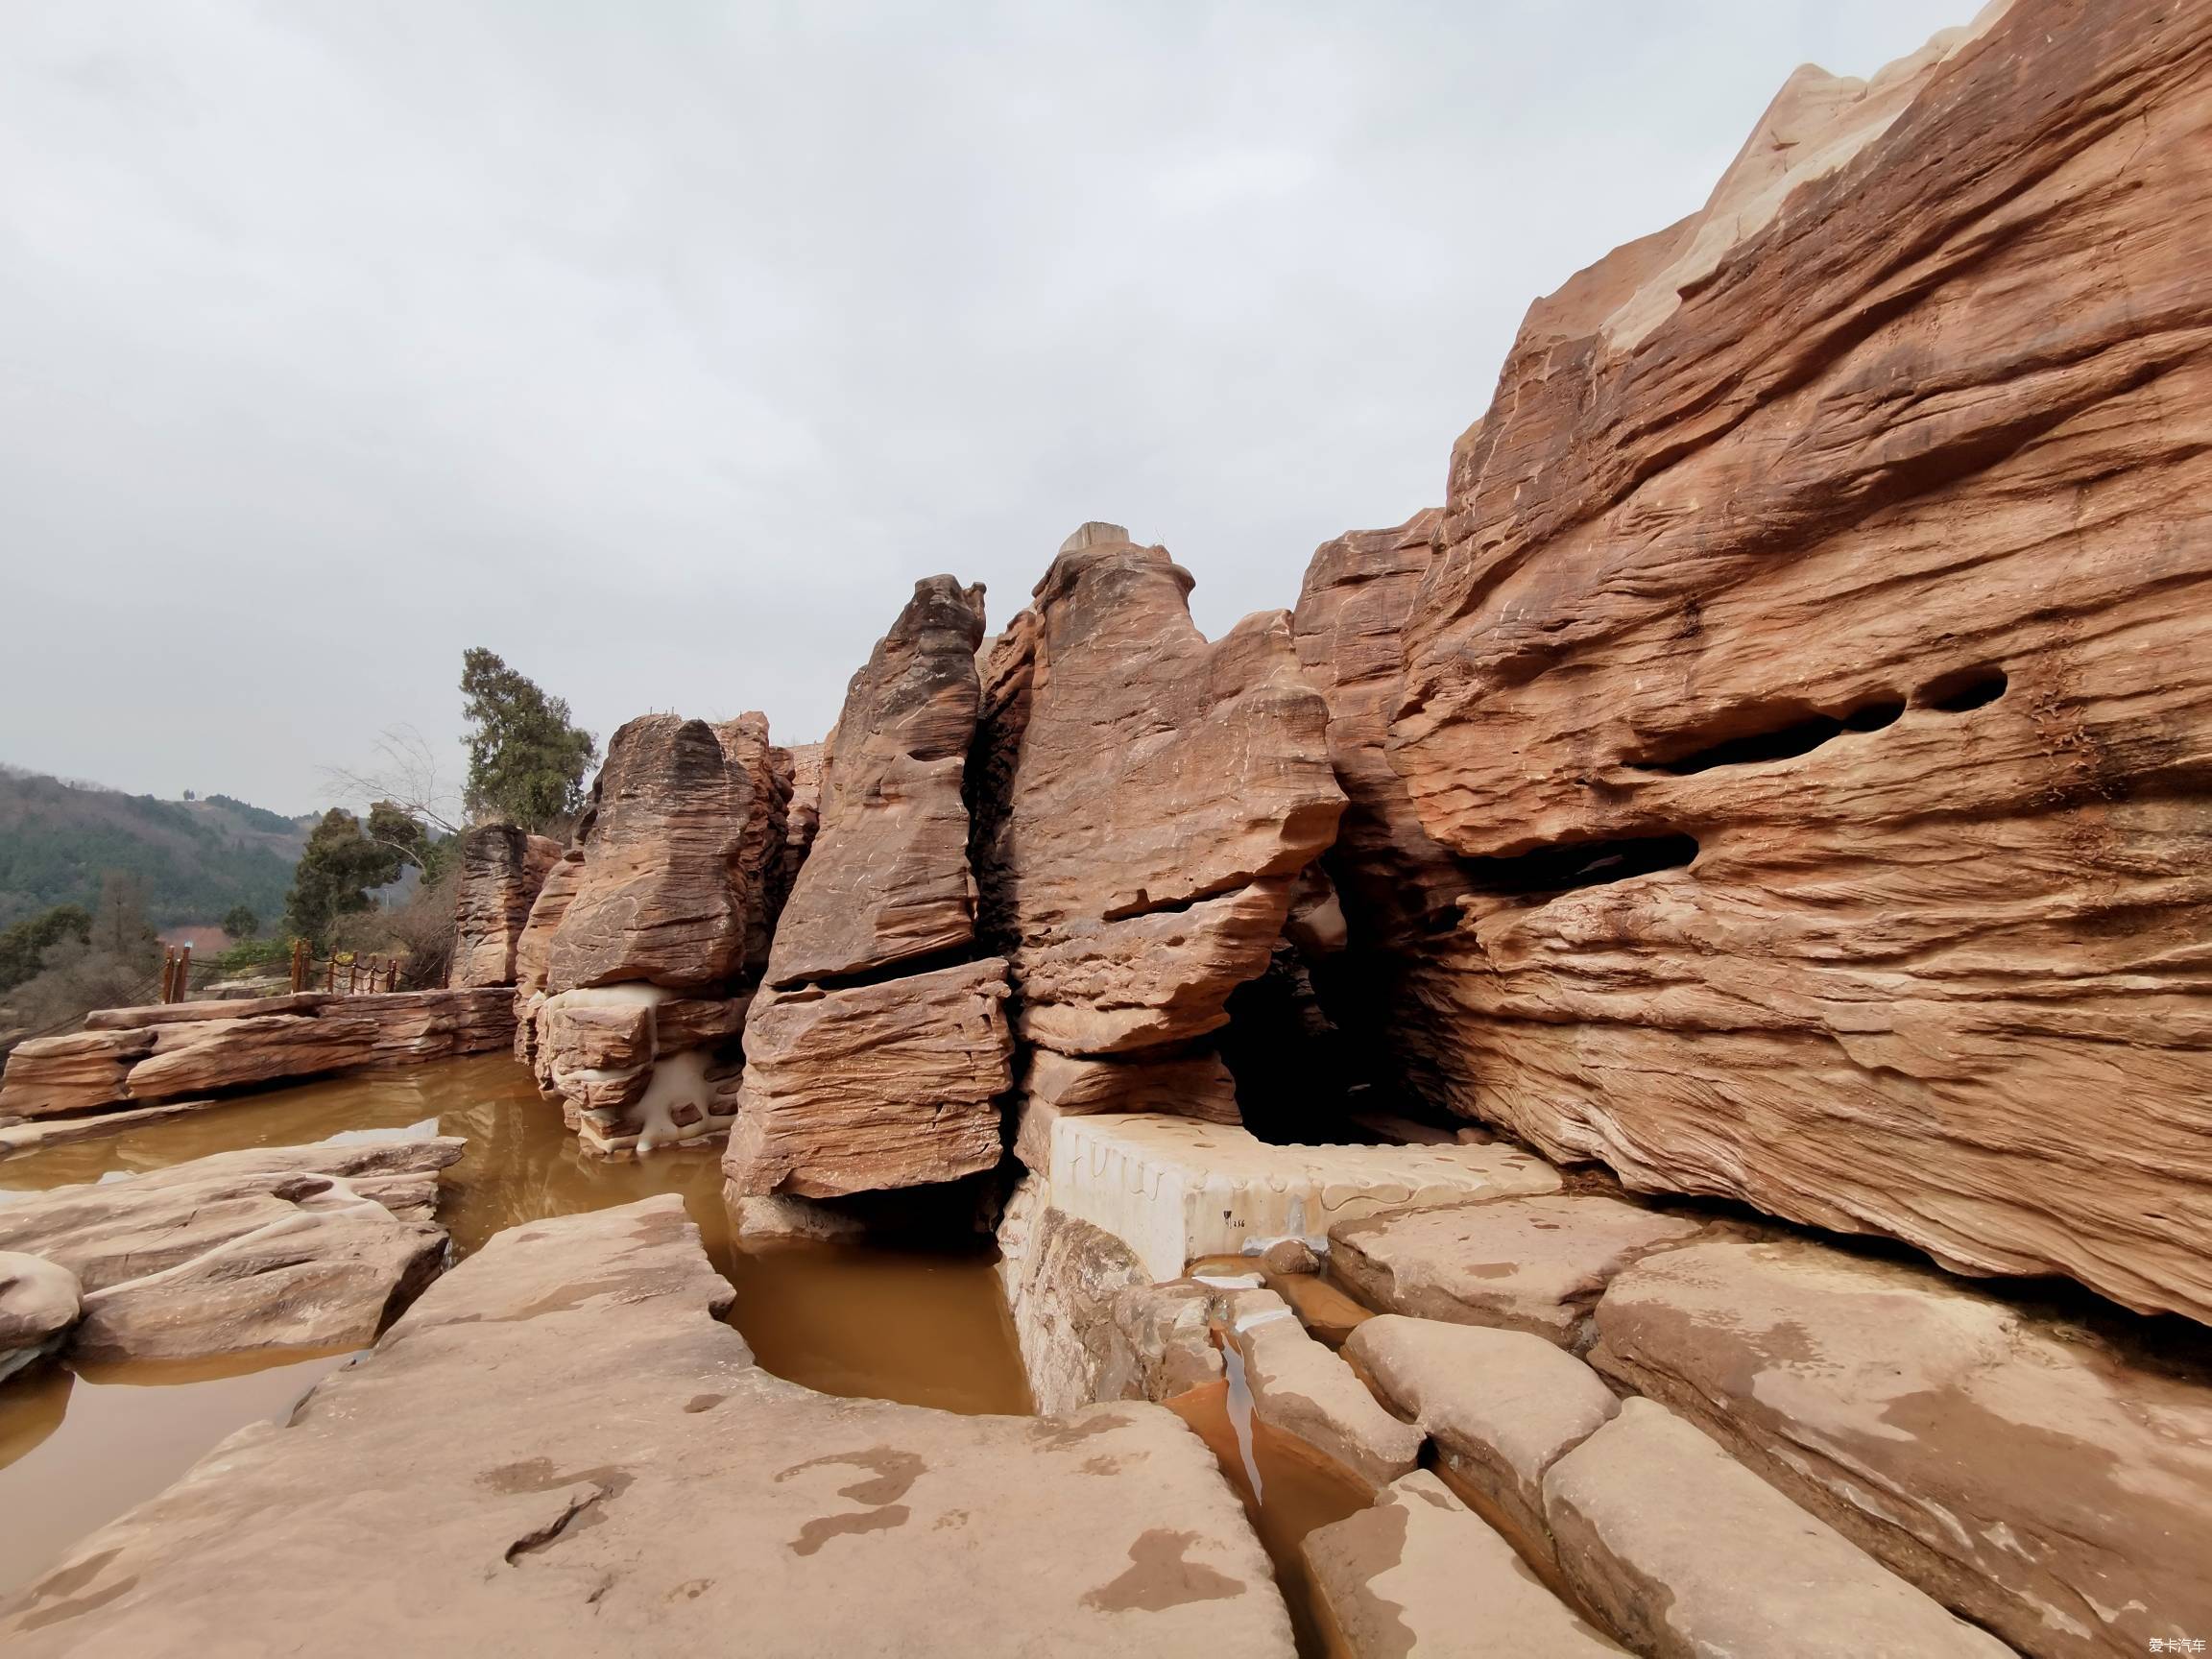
x,y
404,772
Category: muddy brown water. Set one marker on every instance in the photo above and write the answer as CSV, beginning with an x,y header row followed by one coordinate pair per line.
x,y
77,1449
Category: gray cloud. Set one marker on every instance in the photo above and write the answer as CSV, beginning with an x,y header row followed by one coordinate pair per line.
x,y
661,347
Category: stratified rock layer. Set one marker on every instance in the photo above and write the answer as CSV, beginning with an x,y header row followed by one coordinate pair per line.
x,y
503,869
1813,676
673,851
1151,799
648,933
562,1450
132,1056
874,1086
2024,1474
886,878
871,1063
271,1247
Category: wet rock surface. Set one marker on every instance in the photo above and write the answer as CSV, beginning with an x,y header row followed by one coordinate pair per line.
x,y
2027,1475
1780,518
38,1302
1302,1388
1687,1552
1501,1406
1420,1573
276,1247
561,1450
1534,1265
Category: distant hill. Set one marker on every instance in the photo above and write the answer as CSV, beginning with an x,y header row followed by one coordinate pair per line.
x,y
197,858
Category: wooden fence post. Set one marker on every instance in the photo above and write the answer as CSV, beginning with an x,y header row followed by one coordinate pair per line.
x,y
184,974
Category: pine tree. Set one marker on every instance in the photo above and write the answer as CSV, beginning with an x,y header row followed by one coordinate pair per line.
x,y
527,760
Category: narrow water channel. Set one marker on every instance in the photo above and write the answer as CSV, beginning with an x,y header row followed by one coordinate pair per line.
x,y
929,1328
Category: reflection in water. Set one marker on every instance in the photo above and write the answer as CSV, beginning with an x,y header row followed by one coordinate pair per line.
x,y
926,1328
1288,1489
76,1451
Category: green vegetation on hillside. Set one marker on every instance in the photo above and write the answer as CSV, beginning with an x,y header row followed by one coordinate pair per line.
x,y
193,861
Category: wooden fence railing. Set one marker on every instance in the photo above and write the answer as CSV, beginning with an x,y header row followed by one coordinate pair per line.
x,y
349,972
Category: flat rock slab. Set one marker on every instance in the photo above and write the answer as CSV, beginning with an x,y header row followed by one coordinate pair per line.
x,y
1501,1406
270,1247
1536,1265
1174,1190
562,1451
1421,1573
2028,1476
1688,1554
1303,1388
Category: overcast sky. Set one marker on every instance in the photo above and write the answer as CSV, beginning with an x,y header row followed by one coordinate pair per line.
x,y
659,346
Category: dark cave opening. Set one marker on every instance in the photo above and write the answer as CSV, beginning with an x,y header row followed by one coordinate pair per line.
x,y
1578,864
1779,743
1967,688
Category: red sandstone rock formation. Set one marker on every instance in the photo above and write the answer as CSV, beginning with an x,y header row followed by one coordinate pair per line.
x,y
872,1063
503,869
1812,682
1153,798
133,1056
646,934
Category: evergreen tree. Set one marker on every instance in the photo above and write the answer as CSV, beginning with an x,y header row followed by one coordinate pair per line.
x,y
526,761
240,922
335,873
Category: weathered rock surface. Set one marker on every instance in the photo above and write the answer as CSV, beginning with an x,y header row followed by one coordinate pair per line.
x,y
2024,1474
534,949
894,1080
1196,1085
648,936
1864,469
561,1450
886,878
1686,1553
271,1247
38,1302
1534,1265
1151,799
1174,1190
224,1045
502,868
670,881
883,1085
1501,1406
1350,630
1091,1324
1420,1573
1306,1389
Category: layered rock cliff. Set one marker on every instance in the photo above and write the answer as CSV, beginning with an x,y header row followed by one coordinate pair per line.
x,y
1807,687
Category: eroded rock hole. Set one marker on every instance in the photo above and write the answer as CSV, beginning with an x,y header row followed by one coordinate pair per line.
x,y
1293,1072
1967,688
1784,741
1553,870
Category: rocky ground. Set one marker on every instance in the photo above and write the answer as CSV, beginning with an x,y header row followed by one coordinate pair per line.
x,y
1702,933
